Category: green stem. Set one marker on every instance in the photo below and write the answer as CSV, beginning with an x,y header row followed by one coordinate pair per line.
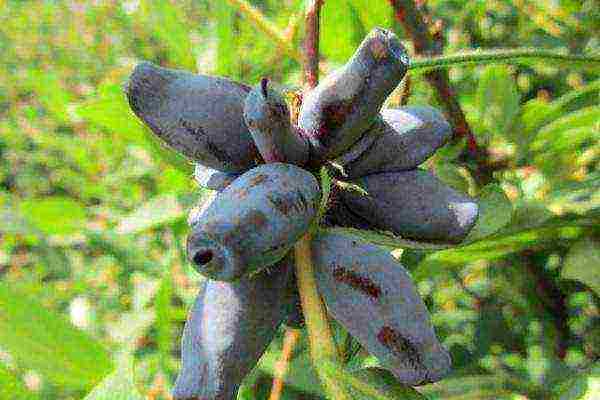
x,y
322,346
500,55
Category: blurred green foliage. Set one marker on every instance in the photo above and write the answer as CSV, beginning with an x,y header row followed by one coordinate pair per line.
x,y
92,208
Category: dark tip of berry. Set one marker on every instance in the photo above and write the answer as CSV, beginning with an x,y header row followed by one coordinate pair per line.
x,y
263,85
203,257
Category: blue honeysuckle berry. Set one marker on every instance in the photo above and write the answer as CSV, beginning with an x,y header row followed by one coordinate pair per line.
x,y
268,118
337,112
197,115
241,239
401,139
413,204
229,328
254,222
372,296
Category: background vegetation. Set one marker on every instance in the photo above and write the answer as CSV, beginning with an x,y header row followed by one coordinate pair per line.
x,y
93,277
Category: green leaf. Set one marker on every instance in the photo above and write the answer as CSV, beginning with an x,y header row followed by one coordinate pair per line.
x,y
537,113
371,383
117,386
50,92
341,30
451,176
301,374
166,22
54,215
388,239
42,340
506,241
109,109
227,60
325,191
582,263
467,387
164,320
12,388
498,99
585,117
385,382
585,386
495,212
158,211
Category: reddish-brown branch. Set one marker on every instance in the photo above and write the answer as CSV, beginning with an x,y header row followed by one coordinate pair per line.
x,y
311,43
417,29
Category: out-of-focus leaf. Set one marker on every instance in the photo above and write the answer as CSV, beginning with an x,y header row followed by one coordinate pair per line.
x,y
109,110
341,30
585,117
130,327
498,99
373,13
301,374
164,319
158,211
537,113
42,340
227,63
117,386
583,263
585,386
50,93
506,241
165,20
54,215
12,388
577,196
495,212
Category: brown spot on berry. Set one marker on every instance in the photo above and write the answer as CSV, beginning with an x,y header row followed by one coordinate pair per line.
x,y
258,179
356,281
289,202
400,346
336,113
255,219
378,49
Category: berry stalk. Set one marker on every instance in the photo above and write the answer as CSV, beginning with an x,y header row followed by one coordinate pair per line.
x,y
322,346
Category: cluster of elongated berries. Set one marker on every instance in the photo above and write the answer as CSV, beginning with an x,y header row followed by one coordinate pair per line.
x,y
261,166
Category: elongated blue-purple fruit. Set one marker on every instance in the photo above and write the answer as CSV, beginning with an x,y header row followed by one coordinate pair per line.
x,y
413,204
346,103
404,138
213,179
268,118
372,296
254,221
197,115
228,329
